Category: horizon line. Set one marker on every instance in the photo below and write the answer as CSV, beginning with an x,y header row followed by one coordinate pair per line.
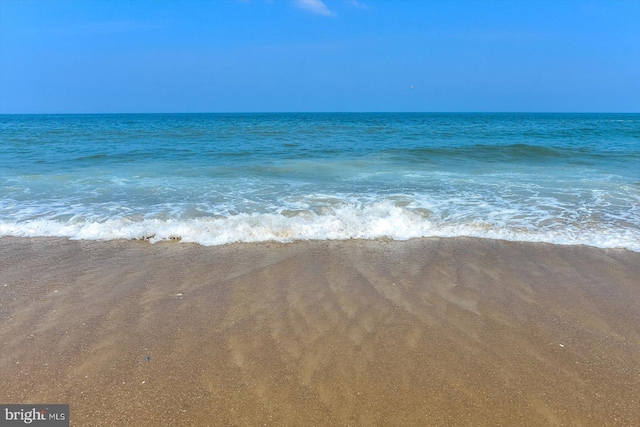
x,y
321,112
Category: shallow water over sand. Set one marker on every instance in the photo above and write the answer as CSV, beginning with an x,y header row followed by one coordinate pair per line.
x,y
423,332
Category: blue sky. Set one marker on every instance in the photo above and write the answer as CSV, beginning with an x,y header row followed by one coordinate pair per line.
x,y
310,55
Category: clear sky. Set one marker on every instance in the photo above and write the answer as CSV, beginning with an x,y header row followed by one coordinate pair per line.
x,y
86,56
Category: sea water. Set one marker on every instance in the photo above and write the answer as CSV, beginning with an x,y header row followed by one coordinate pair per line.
x,y
221,178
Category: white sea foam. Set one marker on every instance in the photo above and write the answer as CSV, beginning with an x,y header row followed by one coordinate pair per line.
x,y
251,178
382,219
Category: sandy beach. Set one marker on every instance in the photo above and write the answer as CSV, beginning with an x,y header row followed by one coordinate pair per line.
x,y
421,332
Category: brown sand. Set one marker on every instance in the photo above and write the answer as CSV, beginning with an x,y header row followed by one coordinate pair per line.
x,y
424,332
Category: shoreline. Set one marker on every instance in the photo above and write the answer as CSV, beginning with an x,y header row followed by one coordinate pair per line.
x,y
427,331
150,240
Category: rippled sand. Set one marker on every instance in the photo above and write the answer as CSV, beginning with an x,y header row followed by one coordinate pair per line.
x,y
423,332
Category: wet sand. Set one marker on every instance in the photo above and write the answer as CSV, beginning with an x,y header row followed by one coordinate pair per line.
x,y
423,332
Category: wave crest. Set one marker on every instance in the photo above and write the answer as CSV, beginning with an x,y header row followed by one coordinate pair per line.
x,y
375,221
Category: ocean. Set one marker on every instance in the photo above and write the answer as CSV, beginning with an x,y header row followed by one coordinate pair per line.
x,y
215,179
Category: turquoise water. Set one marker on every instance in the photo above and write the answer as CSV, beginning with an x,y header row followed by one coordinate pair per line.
x,y
221,178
